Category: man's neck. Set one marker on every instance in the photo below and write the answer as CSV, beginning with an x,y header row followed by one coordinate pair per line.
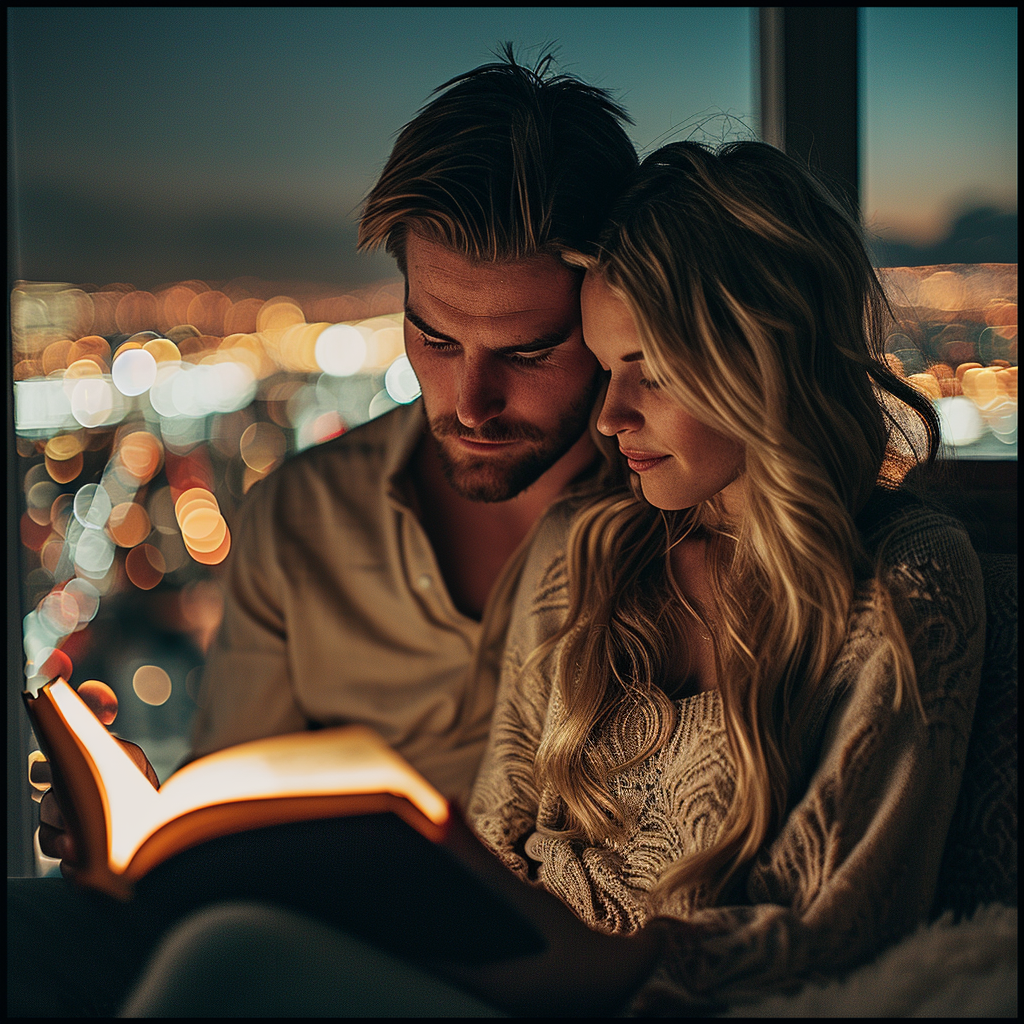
x,y
474,539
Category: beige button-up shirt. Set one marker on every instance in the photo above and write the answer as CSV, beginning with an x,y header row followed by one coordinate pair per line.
x,y
336,611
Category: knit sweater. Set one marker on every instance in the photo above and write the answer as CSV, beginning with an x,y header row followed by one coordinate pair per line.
x,y
855,862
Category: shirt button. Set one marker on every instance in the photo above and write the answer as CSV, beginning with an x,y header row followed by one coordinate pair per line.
x,y
424,582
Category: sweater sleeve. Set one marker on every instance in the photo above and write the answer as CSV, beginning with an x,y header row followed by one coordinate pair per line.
x,y
854,865
505,800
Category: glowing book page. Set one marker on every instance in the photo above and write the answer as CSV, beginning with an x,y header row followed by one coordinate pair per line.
x,y
352,759
130,803
349,760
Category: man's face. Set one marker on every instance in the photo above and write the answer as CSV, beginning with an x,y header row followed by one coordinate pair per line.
x,y
508,385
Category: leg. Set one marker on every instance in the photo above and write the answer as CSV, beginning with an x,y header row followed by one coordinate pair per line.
x,y
252,960
72,952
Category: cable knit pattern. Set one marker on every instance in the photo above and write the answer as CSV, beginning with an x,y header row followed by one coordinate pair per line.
x,y
854,865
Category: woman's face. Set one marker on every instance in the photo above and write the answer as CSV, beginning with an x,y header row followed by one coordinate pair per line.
x,y
679,460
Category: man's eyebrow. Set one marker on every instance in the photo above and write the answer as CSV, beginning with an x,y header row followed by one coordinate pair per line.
x,y
548,340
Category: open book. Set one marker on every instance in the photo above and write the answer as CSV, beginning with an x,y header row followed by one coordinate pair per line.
x,y
333,822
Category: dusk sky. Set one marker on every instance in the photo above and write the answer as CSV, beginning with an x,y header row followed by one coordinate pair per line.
x,y
142,123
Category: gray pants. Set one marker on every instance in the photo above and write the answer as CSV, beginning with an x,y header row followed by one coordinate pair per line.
x,y
250,960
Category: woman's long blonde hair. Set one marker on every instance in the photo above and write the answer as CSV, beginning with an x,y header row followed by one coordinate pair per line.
x,y
759,313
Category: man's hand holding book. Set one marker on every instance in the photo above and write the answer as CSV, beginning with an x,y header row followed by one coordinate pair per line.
x,y
54,839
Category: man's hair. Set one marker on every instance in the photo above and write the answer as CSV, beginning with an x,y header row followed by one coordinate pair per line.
x,y
506,163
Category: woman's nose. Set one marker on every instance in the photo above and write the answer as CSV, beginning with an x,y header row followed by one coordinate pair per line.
x,y
618,413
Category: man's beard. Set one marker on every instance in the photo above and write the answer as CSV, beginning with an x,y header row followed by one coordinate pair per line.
x,y
499,477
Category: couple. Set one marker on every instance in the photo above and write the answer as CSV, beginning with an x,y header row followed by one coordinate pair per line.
x,y
635,582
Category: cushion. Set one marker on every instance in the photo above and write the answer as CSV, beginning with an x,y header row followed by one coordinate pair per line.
x,y
980,861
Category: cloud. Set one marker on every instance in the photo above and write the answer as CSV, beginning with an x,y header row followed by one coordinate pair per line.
x,y
978,234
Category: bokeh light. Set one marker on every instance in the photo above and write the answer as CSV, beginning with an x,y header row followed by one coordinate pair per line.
x,y
959,421
92,506
134,371
152,685
128,524
93,401
262,446
341,350
400,381
100,698
145,566
86,596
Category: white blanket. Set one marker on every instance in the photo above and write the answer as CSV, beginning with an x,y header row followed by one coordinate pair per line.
x,y
942,970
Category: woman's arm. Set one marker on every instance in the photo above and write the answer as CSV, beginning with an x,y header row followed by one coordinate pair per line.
x,y
855,864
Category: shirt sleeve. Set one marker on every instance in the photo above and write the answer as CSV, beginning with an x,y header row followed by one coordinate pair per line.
x,y
855,864
246,690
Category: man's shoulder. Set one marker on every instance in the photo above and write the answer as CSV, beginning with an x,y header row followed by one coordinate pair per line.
x,y
350,460
347,472
367,445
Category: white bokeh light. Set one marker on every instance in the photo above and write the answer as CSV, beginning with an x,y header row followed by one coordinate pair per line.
x,y
340,350
86,596
92,506
959,421
161,394
94,401
134,372
94,554
187,391
400,381
230,386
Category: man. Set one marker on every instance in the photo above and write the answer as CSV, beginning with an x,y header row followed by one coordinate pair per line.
x,y
371,578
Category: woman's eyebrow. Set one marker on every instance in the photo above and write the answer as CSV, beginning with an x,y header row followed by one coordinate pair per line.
x,y
632,357
549,340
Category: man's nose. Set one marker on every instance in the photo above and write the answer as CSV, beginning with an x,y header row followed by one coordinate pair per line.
x,y
481,394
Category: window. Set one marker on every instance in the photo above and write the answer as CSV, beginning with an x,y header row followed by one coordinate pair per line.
x,y
187,305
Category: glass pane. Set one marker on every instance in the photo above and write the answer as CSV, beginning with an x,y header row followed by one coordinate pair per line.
x,y
939,134
939,179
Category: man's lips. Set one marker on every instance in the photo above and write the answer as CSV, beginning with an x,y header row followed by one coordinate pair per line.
x,y
483,448
473,442
639,462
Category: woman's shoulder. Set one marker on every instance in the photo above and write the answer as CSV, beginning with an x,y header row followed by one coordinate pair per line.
x,y
899,529
545,565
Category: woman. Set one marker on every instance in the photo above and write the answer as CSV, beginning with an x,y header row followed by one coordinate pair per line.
x,y
731,721
739,703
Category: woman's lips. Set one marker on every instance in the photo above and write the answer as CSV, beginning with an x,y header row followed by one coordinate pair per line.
x,y
640,462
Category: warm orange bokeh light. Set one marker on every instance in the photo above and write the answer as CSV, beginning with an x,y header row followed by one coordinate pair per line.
x,y
128,524
145,566
136,311
101,699
141,454
207,312
55,356
214,557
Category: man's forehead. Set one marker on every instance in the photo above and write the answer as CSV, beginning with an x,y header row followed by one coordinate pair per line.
x,y
442,278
